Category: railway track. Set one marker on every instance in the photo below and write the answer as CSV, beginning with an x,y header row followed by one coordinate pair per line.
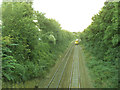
x,y
61,68
71,74
56,80
75,71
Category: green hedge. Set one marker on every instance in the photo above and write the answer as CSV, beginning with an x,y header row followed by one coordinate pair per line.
x,y
101,39
28,50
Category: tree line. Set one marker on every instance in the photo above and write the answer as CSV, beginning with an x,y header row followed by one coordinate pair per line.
x,y
102,39
31,43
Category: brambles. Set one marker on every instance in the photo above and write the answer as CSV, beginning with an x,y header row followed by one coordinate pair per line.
x,y
29,48
101,39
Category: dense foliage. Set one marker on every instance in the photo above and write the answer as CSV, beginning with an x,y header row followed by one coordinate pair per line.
x,y
31,42
101,39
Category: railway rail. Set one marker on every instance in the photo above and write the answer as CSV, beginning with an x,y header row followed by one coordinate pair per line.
x,y
57,77
75,71
61,68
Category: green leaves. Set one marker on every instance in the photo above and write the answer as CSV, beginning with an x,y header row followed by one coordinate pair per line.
x,y
8,64
29,48
115,40
102,39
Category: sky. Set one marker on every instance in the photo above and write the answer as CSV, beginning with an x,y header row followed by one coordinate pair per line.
x,y
73,15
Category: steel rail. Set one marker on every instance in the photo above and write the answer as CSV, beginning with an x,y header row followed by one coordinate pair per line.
x,y
58,68
71,74
79,67
63,69
72,71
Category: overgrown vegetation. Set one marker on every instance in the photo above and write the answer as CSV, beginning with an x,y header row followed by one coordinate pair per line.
x,y
31,42
101,39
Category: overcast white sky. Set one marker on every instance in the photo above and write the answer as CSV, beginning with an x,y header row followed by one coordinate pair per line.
x,y
73,15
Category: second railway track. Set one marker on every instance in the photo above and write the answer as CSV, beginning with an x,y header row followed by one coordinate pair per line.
x,y
56,79
67,74
75,71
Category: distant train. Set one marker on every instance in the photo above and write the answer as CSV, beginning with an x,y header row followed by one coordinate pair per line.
x,y
76,42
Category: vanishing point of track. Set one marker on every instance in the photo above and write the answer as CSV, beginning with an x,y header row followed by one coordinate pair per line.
x,y
57,77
